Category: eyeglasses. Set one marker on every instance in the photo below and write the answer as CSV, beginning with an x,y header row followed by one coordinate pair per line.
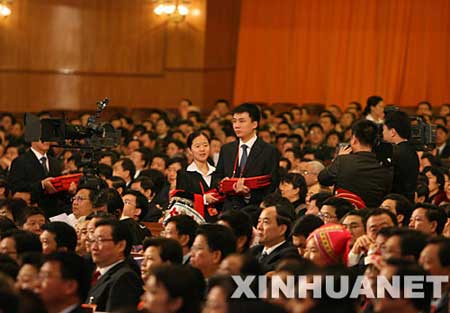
x,y
129,202
326,216
98,241
78,199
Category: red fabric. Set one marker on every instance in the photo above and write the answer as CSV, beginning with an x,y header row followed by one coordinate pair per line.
x,y
356,200
333,241
95,277
227,185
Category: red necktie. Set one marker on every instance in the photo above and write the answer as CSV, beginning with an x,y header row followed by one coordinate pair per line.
x,y
95,277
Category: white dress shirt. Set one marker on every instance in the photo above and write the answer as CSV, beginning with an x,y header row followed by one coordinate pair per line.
x,y
249,145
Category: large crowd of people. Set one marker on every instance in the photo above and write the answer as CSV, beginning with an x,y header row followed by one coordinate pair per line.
x,y
241,192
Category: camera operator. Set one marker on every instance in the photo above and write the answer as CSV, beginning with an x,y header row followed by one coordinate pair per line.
x,y
397,130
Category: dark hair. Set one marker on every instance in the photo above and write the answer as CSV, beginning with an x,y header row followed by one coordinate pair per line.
x,y
120,232
194,135
400,122
315,125
306,224
5,225
427,103
169,249
9,267
104,170
379,211
25,241
180,160
354,212
366,132
412,241
18,209
438,174
110,198
444,249
320,197
26,213
240,223
157,178
146,155
402,205
357,104
72,267
297,181
162,156
65,235
422,191
185,225
128,165
285,216
146,183
219,238
141,202
371,102
288,163
329,115
341,206
434,214
118,182
182,282
252,110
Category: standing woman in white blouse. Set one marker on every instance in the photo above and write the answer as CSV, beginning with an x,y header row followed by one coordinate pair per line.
x,y
197,178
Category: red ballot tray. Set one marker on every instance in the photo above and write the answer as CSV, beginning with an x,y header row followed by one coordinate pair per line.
x,y
62,183
256,182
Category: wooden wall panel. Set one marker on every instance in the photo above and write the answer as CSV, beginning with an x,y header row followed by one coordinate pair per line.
x,y
67,54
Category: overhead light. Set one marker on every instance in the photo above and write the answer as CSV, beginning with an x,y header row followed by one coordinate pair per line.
x,y
174,10
5,11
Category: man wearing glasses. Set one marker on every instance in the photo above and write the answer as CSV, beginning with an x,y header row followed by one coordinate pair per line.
x,y
115,285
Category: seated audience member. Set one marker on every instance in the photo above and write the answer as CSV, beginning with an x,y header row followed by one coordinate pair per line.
x,y
375,220
27,278
117,183
333,209
241,226
125,169
401,269
404,243
158,251
64,282
16,242
82,203
141,159
5,225
135,207
421,193
159,162
428,219
436,184
6,210
115,284
58,236
435,259
13,208
354,222
32,219
182,228
273,230
211,245
293,187
328,245
239,264
316,200
174,289
108,200
400,206
82,233
9,266
146,186
301,230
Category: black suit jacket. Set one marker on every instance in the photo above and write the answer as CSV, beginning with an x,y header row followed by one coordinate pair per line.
x,y
269,262
190,182
445,154
262,160
118,288
27,173
360,173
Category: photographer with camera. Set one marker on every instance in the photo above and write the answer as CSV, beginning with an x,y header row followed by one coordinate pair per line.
x,y
397,130
356,168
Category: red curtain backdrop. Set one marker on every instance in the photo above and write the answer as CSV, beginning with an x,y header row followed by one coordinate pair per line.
x,y
336,51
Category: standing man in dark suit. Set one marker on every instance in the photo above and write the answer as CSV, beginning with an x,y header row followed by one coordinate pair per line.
x,y
32,172
356,168
116,285
273,229
64,282
247,157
